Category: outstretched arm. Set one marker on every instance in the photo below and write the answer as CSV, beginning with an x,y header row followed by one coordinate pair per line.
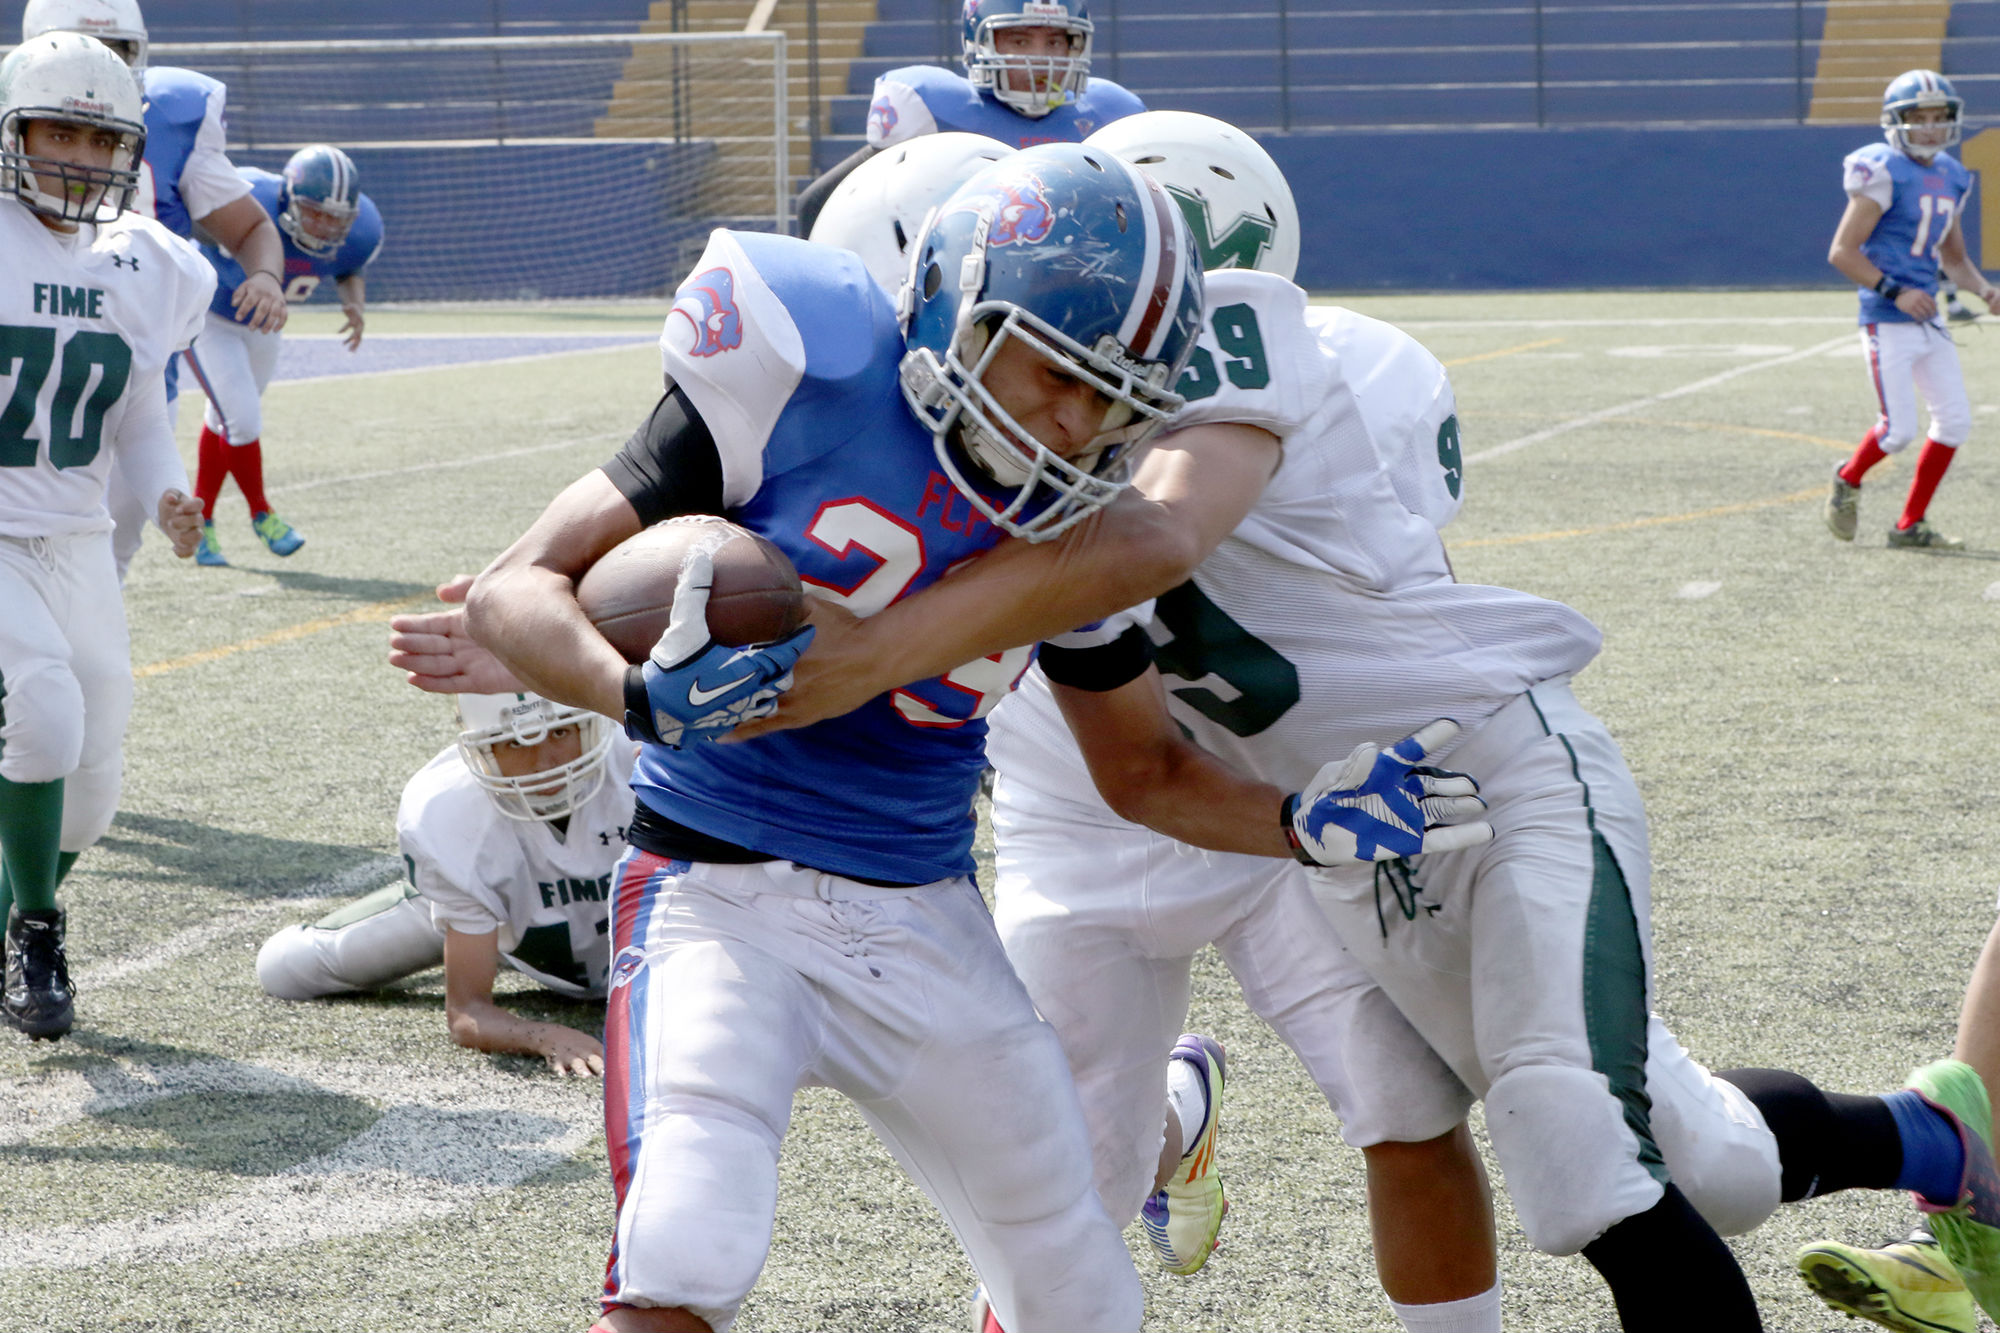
x,y
471,962
1191,489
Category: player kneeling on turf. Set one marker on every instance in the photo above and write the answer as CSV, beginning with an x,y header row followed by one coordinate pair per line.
x,y
510,836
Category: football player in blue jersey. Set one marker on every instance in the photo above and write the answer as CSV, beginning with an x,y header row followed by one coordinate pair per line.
x,y
186,181
1905,202
798,908
332,232
1027,81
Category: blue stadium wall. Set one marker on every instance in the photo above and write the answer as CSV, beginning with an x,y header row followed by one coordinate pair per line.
x,y
1571,208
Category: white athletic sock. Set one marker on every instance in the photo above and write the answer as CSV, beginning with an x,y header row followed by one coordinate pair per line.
x,y
1474,1314
1188,1100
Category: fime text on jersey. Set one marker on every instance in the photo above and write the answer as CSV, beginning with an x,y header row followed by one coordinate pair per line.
x,y
55,299
576,891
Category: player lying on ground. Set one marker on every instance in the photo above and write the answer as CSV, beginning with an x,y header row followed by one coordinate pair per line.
x,y
814,878
97,300
1099,921
1613,1141
1905,201
332,232
510,836
1027,81
187,182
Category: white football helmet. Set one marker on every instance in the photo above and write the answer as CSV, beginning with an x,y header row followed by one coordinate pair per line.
x,y
1235,199
527,719
879,210
68,77
116,23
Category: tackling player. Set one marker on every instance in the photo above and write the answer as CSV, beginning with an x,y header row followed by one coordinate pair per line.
x,y
1905,202
186,182
97,300
510,836
1027,81
332,232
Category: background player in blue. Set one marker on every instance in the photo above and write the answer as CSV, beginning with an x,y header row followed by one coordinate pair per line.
x,y
1026,81
1905,200
332,231
801,911
186,181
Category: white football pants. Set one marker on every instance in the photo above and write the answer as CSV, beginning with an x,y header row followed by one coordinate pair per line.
x,y
377,939
65,675
1904,359
233,363
732,986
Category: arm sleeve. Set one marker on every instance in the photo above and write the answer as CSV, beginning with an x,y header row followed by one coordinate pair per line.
x,y
813,198
670,466
1101,667
208,180
1866,176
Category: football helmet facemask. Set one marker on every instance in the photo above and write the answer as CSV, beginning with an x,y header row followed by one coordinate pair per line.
x,y
319,198
1909,91
1060,76
491,720
1085,261
1236,201
116,23
67,77
882,205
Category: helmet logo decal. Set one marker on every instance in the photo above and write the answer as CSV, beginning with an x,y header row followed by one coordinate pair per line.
x,y
1241,246
708,301
882,116
1023,215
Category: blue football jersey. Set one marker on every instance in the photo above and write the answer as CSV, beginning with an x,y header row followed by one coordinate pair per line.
x,y
303,272
1921,202
177,101
925,99
789,351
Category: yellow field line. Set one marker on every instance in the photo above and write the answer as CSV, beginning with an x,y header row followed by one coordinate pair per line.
x,y
1632,525
360,615
1505,351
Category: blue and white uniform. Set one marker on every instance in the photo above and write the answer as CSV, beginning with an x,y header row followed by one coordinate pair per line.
x,y
925,99
234,361
186,175
1921,203
859,955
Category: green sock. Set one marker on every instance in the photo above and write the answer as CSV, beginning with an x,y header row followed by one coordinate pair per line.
x,y
30,841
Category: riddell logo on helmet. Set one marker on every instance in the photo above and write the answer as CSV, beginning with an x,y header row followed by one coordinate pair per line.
x,y
1036,9
88,103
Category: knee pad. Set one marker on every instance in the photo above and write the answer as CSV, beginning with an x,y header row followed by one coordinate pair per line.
x,y
1717,1146
1898,437
90,801
41,738
1571,1162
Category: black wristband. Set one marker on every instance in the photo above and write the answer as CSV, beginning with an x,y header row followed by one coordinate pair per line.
x,y
638,707
1887,288
1286,809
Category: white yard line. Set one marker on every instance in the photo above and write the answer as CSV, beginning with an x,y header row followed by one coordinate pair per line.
x,y
196,939
463,365
447,463
1622,409
1671,322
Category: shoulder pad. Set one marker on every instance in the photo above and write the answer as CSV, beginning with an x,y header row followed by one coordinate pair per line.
x,y
364,239
181,96
1111,101
443,799
1257,363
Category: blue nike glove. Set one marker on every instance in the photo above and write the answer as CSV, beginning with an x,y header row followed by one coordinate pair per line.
x,y
693,689
1378,805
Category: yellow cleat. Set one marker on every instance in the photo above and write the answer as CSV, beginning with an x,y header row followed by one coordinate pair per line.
x,y
1909,1286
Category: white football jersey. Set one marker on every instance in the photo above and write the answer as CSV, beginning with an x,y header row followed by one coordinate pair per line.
x,y
87,323
548,897
1329,617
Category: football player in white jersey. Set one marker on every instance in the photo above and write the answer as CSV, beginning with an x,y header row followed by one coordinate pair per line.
x,y
96,300
1521,967
510,835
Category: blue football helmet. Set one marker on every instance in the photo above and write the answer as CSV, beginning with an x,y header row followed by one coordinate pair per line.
x,y
1085,261
1914,89
1061,77
319,199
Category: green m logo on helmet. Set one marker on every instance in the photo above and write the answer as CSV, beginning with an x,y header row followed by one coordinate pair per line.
x,y
1241,246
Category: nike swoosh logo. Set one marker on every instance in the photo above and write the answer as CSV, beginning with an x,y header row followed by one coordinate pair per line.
x,y
698,696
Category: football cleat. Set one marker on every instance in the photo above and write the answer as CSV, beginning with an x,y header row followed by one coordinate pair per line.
x,y
1182,1218
1969,1230
279,537
1920,535
1957,311
209,552
1909,1286
1843,509
39,999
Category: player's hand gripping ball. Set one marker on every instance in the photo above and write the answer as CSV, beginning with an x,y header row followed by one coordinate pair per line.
x,y
731,605
1378,805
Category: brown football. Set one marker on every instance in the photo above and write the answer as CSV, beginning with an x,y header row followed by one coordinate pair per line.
x,y
629,593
